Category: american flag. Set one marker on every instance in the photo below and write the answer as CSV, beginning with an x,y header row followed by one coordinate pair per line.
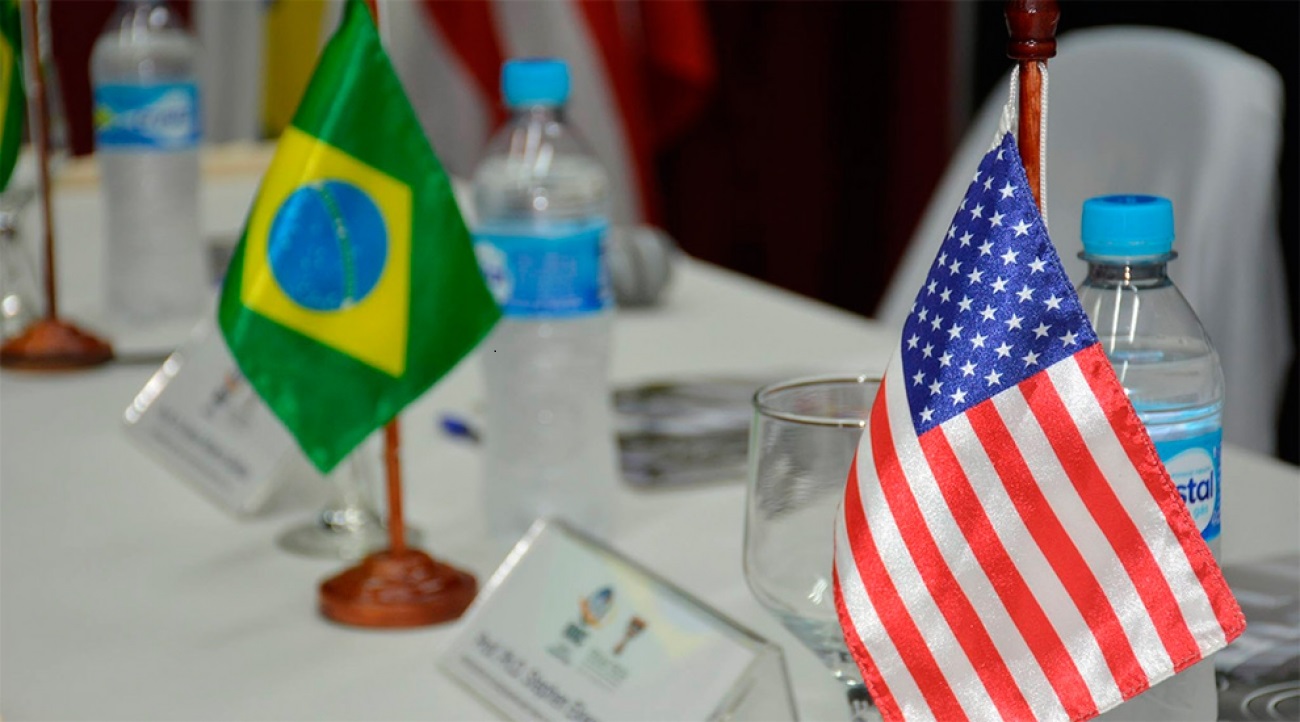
x,y
1009,545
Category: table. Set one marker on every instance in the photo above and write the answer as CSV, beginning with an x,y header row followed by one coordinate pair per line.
x,y
126,595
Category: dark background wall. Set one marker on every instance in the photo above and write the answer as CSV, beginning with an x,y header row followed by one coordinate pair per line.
x,y
833,121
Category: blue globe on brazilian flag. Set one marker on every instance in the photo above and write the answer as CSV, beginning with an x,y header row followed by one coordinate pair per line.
x,y
355,286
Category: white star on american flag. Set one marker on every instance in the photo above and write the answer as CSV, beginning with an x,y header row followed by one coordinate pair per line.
x,y
996,218
1036,266
1013,322
1030,358
959,397
993,378
1025,293
1021,229
977,341
1000,284
911,342
1007,190
1009,257
1053,303
968,369
945,359
964,303
1003,351
965,239
988,313
1068,338
1041,330
986,248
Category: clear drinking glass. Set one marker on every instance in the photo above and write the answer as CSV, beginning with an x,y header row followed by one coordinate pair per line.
x,y
349,526
20,297
802,441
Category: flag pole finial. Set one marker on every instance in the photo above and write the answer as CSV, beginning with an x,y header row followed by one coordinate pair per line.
x,y
1031,25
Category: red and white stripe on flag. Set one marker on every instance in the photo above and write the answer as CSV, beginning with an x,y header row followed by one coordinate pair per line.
x,y
639,71
1009,545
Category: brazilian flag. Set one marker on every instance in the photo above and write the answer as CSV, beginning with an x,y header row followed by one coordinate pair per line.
x,y
13,103
355,286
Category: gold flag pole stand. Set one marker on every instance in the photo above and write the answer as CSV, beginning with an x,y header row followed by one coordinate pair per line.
x,y
50,343
400,586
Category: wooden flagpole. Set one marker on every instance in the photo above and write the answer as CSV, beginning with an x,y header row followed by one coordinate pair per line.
x,y
400,586
49,344
1032,27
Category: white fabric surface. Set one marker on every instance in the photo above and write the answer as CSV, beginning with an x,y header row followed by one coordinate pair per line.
x,y
124,595
1143,110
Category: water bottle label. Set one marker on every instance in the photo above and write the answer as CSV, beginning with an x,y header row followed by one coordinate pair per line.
x,y
1193,464
556,275
161,116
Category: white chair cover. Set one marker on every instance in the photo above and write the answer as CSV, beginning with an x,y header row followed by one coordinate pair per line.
x,y
1145,110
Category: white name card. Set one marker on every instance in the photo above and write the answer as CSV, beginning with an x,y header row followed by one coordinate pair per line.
x,y
568,629
200,418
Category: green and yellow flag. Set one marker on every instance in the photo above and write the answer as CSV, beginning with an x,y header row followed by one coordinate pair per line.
x,y
13,101
355,286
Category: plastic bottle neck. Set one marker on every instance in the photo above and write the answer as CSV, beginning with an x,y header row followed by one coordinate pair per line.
x,y
1111,273
538,113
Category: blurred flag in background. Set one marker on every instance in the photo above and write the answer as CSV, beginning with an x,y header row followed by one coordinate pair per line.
x,y
641,72
294,34
13,105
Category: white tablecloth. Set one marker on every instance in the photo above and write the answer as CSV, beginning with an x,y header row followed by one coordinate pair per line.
x,y
126,595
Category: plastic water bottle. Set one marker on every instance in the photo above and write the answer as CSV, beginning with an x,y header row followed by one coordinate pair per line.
x,y
147,131
540,203
1171,373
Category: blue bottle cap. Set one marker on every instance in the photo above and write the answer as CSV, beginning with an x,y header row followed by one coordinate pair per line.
x,y
1128,226
534,81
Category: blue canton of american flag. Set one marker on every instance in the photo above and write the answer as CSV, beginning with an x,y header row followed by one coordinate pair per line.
x,y
996,307
1009,545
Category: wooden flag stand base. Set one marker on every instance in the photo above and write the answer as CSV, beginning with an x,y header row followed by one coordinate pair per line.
x,y
388,589
49,344
397,587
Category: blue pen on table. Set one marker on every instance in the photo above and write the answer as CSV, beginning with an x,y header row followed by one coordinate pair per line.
x,y
458,428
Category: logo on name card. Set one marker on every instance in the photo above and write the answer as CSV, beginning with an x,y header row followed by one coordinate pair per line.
x,y
635,626
592,610
597,663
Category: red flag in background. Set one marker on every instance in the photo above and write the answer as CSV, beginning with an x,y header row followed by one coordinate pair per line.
x,y
641,73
